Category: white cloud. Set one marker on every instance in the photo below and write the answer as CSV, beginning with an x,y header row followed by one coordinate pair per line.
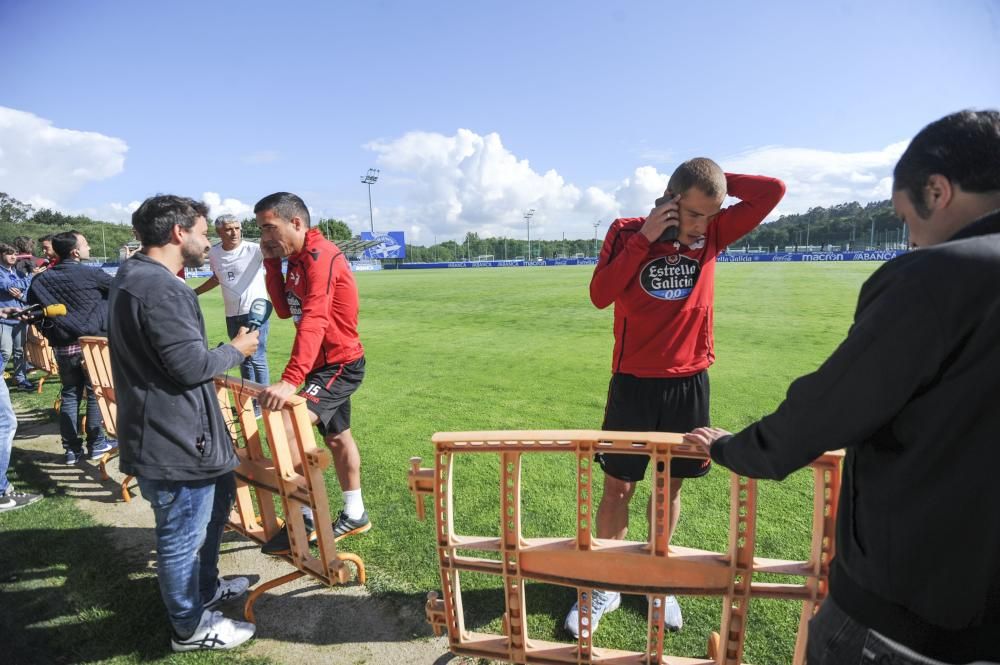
x,y
453,184
219,206
471,182
822,177
42,165
110,212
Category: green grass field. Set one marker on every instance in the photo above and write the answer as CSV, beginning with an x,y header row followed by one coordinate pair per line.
x,y
524,349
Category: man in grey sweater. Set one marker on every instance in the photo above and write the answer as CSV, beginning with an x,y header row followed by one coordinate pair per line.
x,y
171,431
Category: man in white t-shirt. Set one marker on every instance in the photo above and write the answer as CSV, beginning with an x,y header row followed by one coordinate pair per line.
x,y
237,266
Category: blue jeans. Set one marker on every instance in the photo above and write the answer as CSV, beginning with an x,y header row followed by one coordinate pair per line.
x,y
836,638
253,368
12,349
190,518
8,425
75,382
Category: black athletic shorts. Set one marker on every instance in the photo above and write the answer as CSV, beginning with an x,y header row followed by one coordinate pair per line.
x,y
655,405
328,393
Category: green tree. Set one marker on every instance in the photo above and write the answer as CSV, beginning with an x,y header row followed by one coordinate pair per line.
x,y
13,211
335,229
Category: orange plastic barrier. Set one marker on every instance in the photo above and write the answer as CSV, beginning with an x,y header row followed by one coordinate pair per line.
x,y
283,461
40,355
651,568
97,360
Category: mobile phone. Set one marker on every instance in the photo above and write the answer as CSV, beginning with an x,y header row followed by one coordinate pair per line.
x,y
670,233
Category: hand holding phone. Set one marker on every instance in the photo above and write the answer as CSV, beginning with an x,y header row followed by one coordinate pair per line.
x,y
662,222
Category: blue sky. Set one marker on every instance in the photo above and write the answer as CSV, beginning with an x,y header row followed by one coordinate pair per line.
x,y
473,111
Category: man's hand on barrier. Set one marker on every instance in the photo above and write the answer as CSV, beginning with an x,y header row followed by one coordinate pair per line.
x,y
246,342
275,395
705,436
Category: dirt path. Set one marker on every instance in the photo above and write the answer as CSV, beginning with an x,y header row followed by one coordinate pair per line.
x,y
302,622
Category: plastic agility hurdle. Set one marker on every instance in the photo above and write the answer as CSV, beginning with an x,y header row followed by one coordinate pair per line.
x,y
97,361
41,356
292,471
651,568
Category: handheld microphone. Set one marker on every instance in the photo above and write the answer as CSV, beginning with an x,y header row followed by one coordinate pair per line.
x,y
34,313
260,311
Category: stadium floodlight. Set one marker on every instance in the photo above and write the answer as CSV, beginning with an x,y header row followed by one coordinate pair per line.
x,y
370,180
527,220
596,224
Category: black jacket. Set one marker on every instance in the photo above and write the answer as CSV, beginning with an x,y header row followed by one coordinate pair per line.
x,y
913,394
84,291
170,426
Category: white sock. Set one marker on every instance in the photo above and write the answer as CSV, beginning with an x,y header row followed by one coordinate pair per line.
x,y
354,506
307,513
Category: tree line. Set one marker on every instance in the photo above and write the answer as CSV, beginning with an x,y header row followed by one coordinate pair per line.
x,y
844,225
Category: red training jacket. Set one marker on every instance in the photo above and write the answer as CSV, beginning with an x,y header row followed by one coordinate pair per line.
x,y
320,295
663,292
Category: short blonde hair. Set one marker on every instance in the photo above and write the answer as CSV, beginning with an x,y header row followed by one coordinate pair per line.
x,y
700,172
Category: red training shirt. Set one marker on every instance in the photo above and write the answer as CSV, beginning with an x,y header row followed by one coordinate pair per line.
x,y
663,292
320,295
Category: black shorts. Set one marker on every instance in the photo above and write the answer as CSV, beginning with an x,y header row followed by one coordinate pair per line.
x,y
328,391
655,405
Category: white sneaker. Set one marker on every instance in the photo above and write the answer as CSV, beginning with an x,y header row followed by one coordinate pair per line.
x,y
601,602
227,590
672,619
215,632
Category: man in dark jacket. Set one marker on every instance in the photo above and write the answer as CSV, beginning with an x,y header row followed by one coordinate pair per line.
x,y
84,291
912,394
172,433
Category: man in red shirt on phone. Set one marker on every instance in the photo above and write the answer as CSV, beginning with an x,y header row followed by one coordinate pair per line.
x,y
659,272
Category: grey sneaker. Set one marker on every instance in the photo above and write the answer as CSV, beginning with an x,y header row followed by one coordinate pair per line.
x,y
344,526
600,603
12,499
227,590
104,446
214,632
74,456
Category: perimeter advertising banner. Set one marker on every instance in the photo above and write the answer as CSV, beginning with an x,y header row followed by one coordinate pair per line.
x,y
391,245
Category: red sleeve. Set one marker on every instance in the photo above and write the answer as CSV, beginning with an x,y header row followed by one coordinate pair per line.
x,y
275,282
758,195
621,256
320,280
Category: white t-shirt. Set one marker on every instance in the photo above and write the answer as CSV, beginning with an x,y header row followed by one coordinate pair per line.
x,y
241,275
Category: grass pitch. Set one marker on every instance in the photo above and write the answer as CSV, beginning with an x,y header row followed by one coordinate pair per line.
x,y
523,348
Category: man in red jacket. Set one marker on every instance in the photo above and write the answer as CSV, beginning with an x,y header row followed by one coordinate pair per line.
x,y
662,283
327,360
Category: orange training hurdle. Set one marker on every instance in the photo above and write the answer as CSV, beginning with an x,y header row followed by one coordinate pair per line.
x,y
290,467
651,568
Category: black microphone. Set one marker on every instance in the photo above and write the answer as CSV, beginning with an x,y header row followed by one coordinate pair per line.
x,y
260,311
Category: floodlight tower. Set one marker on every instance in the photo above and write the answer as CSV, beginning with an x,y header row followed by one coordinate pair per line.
x,y
527,220
596,224
370,180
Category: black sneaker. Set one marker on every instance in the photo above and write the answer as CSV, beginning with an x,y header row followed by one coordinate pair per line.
x,y
344,526
280,544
